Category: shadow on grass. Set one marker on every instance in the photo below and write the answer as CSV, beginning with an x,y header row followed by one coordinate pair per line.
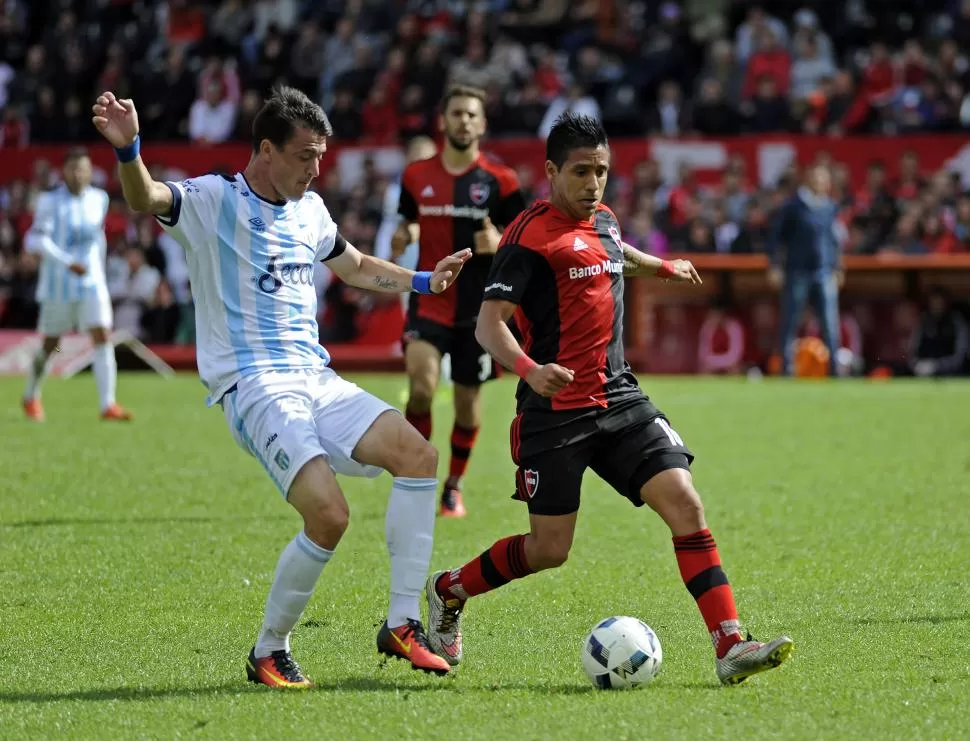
x,y
347,684
927,619
114,521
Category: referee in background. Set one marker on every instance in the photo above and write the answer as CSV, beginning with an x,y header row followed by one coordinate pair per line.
x,y
805,251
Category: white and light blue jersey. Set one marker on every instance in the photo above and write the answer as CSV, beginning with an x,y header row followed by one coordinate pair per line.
x,y
251,270
68,228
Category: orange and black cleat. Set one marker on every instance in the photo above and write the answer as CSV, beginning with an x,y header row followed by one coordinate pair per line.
x,y
116,413
34,410
276,670
451,503
410,642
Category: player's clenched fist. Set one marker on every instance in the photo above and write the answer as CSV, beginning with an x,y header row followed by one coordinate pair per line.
x,y
447,270
549,379
400,240
117,120
487,238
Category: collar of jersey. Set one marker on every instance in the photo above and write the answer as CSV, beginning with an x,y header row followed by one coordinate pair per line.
x,y
274,204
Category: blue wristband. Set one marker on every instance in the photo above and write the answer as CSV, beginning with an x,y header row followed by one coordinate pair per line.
x,y
421,282
129,153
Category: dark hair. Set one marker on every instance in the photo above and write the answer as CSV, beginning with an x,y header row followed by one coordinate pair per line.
x,y
75,153
462,91
286,110
573,132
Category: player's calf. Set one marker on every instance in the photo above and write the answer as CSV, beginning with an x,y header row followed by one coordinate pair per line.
x,y
392,444
672,495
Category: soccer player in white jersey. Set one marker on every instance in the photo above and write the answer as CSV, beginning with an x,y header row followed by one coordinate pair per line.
x,y
251,240
68,234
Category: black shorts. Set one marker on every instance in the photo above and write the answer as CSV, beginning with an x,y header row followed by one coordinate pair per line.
x,y
470,364
626,445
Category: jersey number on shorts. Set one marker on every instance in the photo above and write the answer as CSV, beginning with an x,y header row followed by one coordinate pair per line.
x,y
670,432
484,367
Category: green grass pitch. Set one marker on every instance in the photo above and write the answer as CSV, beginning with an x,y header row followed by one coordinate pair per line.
x,y
134,561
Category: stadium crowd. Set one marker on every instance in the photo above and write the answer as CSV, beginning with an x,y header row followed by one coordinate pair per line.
x,y
697,67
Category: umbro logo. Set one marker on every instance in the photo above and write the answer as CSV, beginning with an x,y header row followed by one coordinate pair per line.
x,y
579,245
428,192
258,224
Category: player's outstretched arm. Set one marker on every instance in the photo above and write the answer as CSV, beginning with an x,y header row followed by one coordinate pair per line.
x,y
117,120
39,239
637,263
372,273
493,334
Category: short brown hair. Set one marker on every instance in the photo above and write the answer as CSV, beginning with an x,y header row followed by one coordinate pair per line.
x,y
286,110
463,91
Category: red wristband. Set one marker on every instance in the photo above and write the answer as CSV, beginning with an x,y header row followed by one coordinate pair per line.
x,y
523,365
666,270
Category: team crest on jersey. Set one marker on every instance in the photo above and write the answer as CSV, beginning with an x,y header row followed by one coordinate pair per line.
x,y
282,459
615,233
531,479
479,193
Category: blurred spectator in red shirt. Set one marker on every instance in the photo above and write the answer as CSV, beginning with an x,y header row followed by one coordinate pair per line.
x,y
770,60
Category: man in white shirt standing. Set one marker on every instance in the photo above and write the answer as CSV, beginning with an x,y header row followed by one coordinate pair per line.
x,y
68,232
251,240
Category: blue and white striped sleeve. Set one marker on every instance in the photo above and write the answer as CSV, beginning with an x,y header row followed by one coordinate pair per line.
x,y
194,207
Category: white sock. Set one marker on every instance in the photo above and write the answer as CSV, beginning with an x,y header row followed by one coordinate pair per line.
x,y
105,373
36,373
296,576
409,529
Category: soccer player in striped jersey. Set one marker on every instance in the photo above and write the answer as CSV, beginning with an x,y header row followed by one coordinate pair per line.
x,y
251,240
68,234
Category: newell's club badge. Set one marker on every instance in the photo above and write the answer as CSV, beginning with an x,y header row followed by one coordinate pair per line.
x,y
531,482
615,233
479,193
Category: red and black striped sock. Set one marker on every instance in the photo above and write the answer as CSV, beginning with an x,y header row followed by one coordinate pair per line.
x,y
421,421
462,442
496,567
700,568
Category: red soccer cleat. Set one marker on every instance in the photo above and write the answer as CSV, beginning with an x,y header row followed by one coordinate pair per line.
x,y
116,413
410,642
451,502
34,410
276,670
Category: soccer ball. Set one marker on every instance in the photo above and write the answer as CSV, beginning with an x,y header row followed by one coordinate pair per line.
x,y
621,653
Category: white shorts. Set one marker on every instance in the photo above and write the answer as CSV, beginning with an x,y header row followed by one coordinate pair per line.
x,y
283,419
62,317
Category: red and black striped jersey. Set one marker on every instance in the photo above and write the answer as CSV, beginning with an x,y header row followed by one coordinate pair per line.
x,y
449,209
566,277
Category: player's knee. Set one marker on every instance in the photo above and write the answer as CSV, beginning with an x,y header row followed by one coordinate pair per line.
x,y
410,456
418,460
672,495
326,521
690,509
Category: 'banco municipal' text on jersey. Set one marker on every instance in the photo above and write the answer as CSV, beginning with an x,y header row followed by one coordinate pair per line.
x,y
68,229
251,271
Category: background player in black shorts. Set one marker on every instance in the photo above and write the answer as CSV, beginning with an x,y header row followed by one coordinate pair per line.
x,y
456,200
560,272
